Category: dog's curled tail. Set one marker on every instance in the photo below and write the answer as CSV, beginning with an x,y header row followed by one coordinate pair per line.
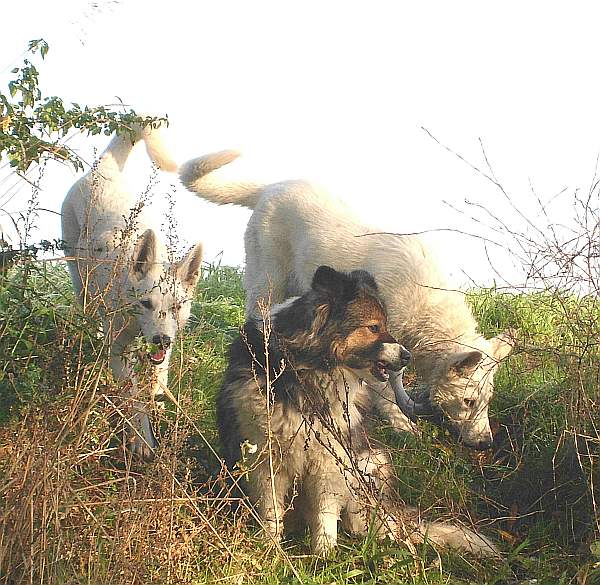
x,y
156,148
119,148
196,176
456,537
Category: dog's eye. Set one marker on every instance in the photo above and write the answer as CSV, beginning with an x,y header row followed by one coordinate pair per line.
x,y
374,328
469,402
146,304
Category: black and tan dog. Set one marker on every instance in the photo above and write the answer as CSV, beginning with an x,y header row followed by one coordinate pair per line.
x,y
291,398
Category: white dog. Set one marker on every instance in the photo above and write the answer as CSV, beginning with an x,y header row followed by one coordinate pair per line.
x,y
297,227
119,266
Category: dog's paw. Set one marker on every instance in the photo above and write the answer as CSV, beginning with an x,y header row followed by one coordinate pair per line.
x,y
324,545
402,424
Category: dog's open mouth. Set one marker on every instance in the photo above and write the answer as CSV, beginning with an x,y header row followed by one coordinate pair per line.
x,y
158,357
379,369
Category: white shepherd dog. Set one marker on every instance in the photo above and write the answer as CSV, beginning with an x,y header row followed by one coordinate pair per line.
x,y
119,265
296,227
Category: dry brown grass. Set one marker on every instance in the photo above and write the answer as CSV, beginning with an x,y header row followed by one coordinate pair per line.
x,y
75,507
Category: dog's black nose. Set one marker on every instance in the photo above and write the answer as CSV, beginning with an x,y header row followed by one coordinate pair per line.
x,y
162,340
405,356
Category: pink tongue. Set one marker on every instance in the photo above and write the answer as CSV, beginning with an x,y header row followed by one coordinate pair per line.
x,y
159,355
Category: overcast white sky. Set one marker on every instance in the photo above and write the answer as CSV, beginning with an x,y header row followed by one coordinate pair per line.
x,y
336,91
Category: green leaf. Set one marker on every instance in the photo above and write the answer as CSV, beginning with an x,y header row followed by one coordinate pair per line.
x,y
595,548
26,115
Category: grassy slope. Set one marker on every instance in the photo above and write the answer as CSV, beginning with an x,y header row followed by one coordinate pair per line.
x,y
76,512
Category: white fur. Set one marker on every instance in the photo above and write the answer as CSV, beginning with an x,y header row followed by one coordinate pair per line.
x,y
296,227
116,261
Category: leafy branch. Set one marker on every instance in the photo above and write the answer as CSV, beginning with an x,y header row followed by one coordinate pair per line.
x,y
33,126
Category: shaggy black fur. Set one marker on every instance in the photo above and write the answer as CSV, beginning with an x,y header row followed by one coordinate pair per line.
x,y
303,335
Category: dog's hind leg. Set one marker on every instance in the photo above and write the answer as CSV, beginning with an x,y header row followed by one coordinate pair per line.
x,y
356,517
265,278
262,296
71,233
370,487
263,289
456,537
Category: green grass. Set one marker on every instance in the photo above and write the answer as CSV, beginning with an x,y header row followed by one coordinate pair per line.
x,y
74,511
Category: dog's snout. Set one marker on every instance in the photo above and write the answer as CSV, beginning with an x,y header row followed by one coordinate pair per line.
x,y
395,356
163,340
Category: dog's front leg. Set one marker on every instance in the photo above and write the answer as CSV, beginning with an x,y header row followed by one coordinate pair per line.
x,y
384,404
119,366
139,436
323,526
323,512
269,494
371,493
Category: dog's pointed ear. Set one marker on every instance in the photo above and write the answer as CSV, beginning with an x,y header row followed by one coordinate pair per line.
x,y
503,344
329,281
464,363
145,254
188,269
364,278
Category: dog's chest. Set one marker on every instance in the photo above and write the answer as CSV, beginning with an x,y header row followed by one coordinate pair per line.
x,y
321,419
